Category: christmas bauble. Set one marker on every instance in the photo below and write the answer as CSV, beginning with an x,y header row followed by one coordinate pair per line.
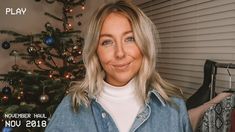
x,y
79,23
4,99
49,40
50,1
11,82
44,98
70,59
29,73
42,50
23,103
31,50
75,47
14,53
49,57
15,67
65,54
7,129
6,90
6,45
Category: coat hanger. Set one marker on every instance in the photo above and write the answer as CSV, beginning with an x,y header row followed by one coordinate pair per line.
x,y
230,81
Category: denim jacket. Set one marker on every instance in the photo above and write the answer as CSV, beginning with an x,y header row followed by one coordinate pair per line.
x,y
156,116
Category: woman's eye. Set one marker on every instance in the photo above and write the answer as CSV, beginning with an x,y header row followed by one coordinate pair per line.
x,y
106,42
130,39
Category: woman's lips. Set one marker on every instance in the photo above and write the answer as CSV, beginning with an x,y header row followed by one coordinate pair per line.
x,y
121,66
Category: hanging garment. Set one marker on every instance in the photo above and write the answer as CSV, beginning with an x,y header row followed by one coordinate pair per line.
x,y
202,95
218,118
233,121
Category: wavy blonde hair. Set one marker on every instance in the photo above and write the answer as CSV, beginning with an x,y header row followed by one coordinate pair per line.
x,y
146,37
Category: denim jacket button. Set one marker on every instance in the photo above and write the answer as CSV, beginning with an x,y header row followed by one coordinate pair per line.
x,y
103,115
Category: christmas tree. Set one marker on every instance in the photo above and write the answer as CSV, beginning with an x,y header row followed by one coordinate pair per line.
x,y
55,59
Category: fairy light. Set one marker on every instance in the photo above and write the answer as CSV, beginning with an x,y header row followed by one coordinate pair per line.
x,y
50,76
83,7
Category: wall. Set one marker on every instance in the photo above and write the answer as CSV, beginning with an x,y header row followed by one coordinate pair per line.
x,y
192,31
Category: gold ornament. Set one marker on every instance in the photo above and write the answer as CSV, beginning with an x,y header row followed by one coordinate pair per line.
x,y
44,98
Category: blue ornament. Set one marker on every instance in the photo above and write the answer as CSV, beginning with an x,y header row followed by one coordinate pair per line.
x,y
49,41
7,129
6,45
6,90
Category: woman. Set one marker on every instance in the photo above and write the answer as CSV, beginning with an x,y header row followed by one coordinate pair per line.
x,y
122,91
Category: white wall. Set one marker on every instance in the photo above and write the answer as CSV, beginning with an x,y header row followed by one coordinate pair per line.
x,y
192,31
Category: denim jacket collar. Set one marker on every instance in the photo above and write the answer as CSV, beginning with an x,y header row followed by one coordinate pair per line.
x,y
157,96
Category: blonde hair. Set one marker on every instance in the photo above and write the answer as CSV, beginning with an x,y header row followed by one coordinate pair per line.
x,y
146,37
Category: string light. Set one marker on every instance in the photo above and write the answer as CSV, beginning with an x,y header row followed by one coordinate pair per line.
x,y
21,93
68,75
83,7
79,52
38,61
50,75
19,97
5,97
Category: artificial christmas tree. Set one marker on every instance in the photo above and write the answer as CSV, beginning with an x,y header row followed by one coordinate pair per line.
x,y
55,59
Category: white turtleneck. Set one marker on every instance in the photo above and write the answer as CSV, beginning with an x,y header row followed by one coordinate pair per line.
x,y
121,103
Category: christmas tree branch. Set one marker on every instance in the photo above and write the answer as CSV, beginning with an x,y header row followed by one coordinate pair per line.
x,y
50,15
51,66
10,33
71,32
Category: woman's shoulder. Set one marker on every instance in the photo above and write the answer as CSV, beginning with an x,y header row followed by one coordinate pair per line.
x,y
66,100
65,116
173,99
178,101
66,106
179,104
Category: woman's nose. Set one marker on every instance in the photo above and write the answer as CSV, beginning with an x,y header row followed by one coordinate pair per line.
x,y
119,51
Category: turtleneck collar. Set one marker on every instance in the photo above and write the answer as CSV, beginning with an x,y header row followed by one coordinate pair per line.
x,y
119,92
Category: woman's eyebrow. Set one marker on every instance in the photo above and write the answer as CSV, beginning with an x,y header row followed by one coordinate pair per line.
x,y
110,35
105,35
127,32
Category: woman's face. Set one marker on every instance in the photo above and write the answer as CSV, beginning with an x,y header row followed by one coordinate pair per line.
x,y
117,50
